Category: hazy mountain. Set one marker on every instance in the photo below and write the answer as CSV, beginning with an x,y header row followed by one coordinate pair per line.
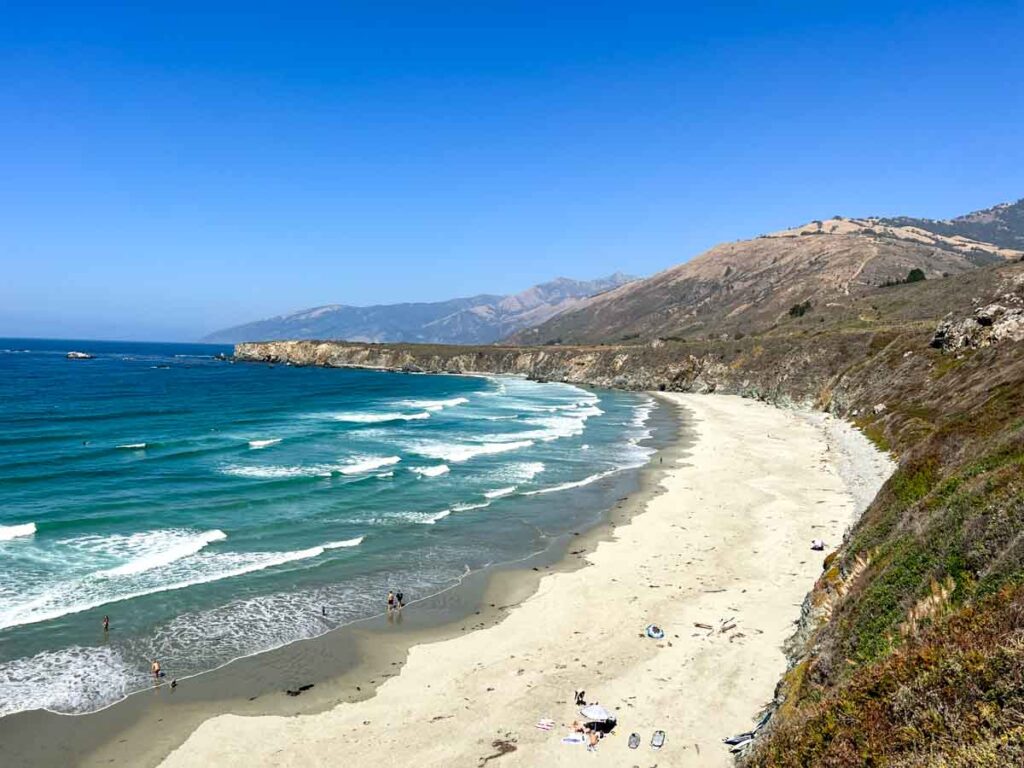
x,y
1001,224
750,285
475,320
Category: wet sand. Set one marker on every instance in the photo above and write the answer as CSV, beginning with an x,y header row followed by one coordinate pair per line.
x,y
720,558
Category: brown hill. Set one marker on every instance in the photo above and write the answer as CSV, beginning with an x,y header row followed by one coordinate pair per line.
x,y
752,285
1001,224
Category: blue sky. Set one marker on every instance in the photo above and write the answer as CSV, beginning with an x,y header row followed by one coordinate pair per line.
x,y
169,170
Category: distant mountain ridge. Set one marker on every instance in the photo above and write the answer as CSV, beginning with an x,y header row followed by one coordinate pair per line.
x,y
480,319
1002,225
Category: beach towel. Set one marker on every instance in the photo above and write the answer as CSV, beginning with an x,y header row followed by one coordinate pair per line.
x,y
545,724
576,738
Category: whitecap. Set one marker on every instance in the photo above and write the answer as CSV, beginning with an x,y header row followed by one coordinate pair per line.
x,y
257,444
8,532
457,452
434,405
346,543
163,548
574,484
468,507
357,466
497,493
378,418
367,464
431,519
132,446
434,471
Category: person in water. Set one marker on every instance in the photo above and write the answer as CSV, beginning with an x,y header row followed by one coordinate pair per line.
x,y
399,600
155,666
106,623
391,601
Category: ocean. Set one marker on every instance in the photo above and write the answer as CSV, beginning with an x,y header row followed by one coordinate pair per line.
x,y
216,510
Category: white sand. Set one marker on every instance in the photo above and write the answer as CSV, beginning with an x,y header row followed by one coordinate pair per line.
x,y
727,544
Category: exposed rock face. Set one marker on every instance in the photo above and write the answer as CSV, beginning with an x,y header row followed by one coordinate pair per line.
x,y
996,322
991,324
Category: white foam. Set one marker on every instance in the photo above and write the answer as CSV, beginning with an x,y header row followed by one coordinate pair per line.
x,y
431,519
356,466
434,471
91,592
132,446
468,507
73,679
575,484
346,543
368,464
165,552
274,472
434,405
379,418
497,493
8,532
528,470
257,444
457,452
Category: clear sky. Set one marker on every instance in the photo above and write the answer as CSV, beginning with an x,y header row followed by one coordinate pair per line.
x,y
168,170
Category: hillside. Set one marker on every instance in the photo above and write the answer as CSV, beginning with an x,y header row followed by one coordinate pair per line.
x,y
908,649
1001,224
474,320
751,285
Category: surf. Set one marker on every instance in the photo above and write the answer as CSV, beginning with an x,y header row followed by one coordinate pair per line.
x,y
8,532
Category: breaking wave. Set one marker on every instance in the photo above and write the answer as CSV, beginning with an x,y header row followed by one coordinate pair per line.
x,y
8,532
435,471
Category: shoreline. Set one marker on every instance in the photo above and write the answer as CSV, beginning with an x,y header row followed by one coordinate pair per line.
x,y
718,556
345,664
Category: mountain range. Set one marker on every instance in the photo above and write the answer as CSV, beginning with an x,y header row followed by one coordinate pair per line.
x,y
475,320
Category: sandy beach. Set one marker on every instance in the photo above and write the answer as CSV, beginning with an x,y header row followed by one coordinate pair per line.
x,y
726,545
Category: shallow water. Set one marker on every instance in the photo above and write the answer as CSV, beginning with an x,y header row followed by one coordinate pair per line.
x,y
216,510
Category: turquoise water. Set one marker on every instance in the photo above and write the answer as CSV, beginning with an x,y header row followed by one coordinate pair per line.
x,y
213,509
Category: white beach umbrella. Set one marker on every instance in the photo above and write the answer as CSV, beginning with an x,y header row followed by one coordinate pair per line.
x,y
596,712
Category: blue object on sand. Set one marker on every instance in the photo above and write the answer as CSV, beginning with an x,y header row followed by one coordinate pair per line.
x,y
655,632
